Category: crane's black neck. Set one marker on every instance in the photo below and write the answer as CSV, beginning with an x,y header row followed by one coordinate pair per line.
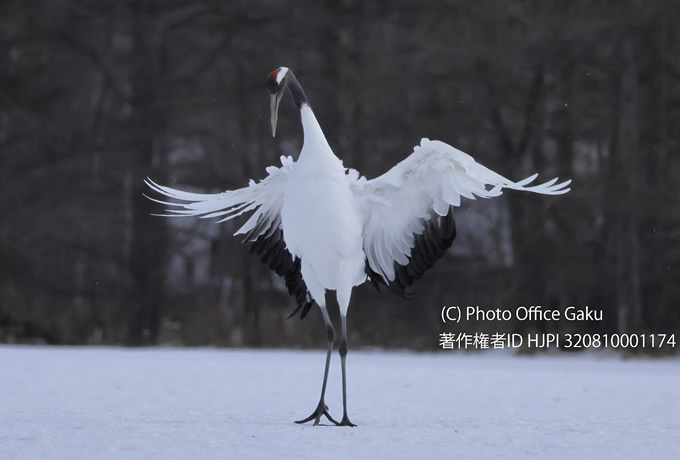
x,y
296,90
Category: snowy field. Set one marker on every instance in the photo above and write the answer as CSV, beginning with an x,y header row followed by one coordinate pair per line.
x,y
110,403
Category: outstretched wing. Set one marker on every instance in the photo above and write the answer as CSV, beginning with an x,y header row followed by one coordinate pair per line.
x,y
262,230
408,211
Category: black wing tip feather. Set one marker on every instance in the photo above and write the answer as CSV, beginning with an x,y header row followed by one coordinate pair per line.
x,y
430,246
271,248
305,309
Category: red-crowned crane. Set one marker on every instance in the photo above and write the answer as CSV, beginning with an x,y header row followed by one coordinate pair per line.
x,y
323,227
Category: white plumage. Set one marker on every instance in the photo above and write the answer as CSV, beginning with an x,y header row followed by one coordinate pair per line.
x,y
337,227
391,208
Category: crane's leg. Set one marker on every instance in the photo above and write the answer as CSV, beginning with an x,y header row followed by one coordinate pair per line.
x,y
343,302
322,409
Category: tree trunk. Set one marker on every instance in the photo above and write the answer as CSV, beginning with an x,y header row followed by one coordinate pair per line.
x,y
626,173
147,232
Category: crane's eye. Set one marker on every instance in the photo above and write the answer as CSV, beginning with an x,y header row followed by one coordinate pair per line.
x,y
272,83
276,80
272,86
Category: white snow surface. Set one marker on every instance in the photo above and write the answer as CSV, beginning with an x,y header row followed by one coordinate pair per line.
x,y
166,403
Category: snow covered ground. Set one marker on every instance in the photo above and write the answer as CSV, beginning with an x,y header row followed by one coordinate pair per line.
x,y
110,403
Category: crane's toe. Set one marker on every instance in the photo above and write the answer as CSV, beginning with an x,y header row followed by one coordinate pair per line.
x,y
321,409
345,421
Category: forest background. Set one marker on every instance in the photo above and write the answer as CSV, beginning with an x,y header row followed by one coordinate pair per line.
x,y
97,95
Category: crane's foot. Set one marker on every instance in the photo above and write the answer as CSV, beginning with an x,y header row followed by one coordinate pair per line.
x,y
345,421
321,409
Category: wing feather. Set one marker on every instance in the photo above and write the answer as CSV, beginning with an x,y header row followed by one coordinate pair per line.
x,y
408,211
263,232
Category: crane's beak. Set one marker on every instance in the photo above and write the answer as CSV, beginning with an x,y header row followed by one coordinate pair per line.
x,y
274,100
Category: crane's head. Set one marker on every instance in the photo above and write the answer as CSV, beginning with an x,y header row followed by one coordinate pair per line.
x,y
276,84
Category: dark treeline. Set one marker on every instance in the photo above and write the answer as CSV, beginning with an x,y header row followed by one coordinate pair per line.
x,y
97,95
